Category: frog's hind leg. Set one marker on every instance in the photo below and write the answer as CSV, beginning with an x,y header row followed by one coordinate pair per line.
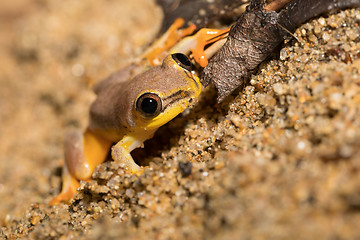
x,y
69,186
83,152
197,43
159,49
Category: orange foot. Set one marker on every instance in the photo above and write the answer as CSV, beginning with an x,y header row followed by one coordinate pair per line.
x,y
70,185
196,43
174,40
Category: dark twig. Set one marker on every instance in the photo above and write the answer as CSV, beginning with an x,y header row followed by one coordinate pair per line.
x,y
256,35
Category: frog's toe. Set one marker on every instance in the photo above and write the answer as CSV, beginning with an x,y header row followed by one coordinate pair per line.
x,y
70,185
138,171
202,38
64,196
197,43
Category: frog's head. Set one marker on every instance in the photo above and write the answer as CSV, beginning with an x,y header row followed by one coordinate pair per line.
x,y
159,94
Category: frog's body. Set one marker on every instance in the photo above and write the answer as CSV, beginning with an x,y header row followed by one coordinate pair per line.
x,y
131,105
127,112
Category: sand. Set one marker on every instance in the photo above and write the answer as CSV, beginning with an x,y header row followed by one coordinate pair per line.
x,y
279,159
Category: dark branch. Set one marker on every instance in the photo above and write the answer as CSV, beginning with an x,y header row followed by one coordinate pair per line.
x,y
255,36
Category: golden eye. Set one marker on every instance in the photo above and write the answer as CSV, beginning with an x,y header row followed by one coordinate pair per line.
x,y
182,60
149,104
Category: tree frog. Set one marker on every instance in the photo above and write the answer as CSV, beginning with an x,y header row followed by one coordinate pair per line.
x,y
130,106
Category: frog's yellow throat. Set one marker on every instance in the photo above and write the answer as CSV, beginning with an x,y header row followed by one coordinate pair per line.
x,y
174,101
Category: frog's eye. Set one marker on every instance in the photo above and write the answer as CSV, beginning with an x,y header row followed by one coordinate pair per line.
x,y
182,60
149,104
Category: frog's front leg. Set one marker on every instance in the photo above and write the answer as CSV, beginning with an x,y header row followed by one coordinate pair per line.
x,y
121,152
83,152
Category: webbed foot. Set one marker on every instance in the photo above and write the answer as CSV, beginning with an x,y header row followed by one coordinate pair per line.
x,y
70,185
196,43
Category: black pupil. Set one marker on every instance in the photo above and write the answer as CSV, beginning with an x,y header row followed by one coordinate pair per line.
x,y
149,105
183,59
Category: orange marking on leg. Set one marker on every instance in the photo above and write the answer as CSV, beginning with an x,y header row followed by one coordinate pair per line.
x,y
96,149
81,164
159,49
204,37
70,185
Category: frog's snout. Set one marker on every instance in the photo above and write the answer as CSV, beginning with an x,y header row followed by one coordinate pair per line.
x,y
183,61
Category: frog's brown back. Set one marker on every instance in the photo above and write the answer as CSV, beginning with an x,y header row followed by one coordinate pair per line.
x,y
122,75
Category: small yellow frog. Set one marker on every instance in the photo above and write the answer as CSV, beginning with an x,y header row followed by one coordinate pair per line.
x,y
128,110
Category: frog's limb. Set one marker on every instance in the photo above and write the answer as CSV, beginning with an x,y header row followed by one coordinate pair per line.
x,y
121,152
210,51
173,41
159,48
70,184
83,152
196,43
